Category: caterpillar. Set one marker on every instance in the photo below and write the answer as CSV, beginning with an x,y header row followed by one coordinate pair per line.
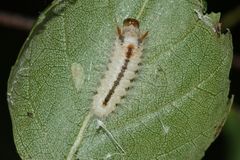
x,y
122,68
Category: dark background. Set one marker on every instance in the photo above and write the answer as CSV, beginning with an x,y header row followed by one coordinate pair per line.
x,y
11,40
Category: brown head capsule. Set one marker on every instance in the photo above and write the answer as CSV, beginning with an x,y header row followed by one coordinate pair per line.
x,y
131,21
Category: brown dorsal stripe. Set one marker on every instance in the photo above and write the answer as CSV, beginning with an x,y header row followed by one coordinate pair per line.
x,y
120,75
129,52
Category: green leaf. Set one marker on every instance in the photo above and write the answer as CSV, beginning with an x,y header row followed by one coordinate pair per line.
x,y
173,109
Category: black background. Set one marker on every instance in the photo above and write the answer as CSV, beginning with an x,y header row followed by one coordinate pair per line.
x,y
12,39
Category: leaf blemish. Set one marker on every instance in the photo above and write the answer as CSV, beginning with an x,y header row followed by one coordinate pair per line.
x,y
30,114
77,75
165,127
206,19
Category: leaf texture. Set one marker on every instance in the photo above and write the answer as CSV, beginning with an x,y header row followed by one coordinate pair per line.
x,y
173,110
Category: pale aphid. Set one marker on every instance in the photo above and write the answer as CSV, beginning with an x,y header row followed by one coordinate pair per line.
x,y
122,68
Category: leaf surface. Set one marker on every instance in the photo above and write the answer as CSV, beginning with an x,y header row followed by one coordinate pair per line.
x,y
173,110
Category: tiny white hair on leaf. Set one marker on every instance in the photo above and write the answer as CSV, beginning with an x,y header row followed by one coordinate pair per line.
x,y
103,126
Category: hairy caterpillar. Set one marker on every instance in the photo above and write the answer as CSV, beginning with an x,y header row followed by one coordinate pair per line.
x,y
122,68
